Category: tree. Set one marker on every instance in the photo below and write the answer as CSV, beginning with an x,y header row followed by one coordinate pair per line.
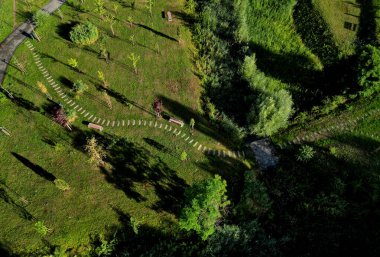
x,y
111,20
134,59
149,6
99,8
204,202
44,90
73,63
272,113
95,151
183,156
369,70
84,34
60,117
39,19
79,87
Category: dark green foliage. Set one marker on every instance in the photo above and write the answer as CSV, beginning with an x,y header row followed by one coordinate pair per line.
x,y
235,133
305,153
204,202
255,200
84,34
369,70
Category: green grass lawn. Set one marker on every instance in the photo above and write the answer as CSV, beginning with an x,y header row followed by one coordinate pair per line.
x,y
24,11
144,176
336,13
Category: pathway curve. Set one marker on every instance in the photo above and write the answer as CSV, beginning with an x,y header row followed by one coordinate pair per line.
x,y
154,124
10,44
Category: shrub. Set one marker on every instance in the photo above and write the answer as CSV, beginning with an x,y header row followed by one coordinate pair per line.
x,y
271,114
369,70
306,153
79,87
41,228
232,130
61,184
183,156
40,18
3,98
84,34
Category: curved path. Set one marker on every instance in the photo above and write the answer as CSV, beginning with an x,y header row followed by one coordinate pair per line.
x,y
154,124
10,44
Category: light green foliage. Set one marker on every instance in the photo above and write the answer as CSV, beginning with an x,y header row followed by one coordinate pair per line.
x,y
135,224
105,248
40,18
149,6
203,204
271,114
306,153
255,199
99,8
135,60
190,7
333,150
71,115
84,34
192,123
79,87
369,70
73,63
61,184
58,147
183,156
41,228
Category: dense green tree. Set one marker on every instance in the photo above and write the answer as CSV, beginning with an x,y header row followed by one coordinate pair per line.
x,y
84,34
204,202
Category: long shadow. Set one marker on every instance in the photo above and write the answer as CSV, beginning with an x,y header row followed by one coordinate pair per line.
x,y
132,163
4,251
160,147
23,103
156,32
30,87
186,113
45,55
35,168
20,210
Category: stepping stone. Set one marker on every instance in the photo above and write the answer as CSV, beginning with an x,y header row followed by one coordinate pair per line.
x,y
118,123
113,123
234,155
229,153
72,104
195,144
69,101
86,114
179,132
133,122
199,147
155,124
103,122
91,117
160,125
144,122
243,153
187,139
83,111
128,123
166,125
99,119
150,123
139,122
108,122
224,153
170,129
191,141
174,131
76,107
64,97
183,135
80,109
93,120
123,122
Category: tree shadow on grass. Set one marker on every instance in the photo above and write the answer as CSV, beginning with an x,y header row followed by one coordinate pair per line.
x,y
22,102
20,210
367,20
230,169
132,163
160,147
4,251
35,168
156,32
63,29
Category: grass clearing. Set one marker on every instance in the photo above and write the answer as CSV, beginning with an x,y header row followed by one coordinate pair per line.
x,y
144,176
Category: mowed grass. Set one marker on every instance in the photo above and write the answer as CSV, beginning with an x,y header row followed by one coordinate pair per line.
x,y
23,12
336,13
144,176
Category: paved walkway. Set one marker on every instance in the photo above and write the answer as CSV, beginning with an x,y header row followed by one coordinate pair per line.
x,y
10,44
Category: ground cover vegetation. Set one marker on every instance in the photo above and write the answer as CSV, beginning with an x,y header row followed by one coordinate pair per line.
x,y
262,67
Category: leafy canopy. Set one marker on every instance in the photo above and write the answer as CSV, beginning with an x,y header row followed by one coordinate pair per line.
x,y
84,34
204,202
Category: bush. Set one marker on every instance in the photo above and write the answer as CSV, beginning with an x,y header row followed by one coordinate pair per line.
x,y
183,156
232,130
61,184
84,34
369,70
41,228
40,18
79,87
306,153
271,114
